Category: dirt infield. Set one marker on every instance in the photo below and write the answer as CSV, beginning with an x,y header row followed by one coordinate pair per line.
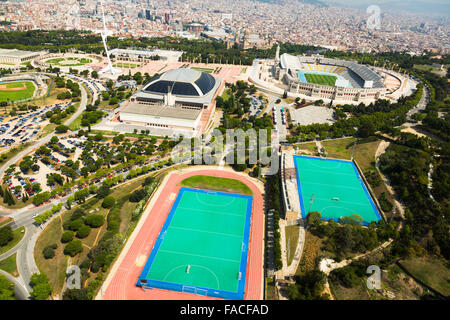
x,y
121,282
4,87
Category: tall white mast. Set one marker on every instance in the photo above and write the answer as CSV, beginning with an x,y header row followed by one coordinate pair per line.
x,y
109,68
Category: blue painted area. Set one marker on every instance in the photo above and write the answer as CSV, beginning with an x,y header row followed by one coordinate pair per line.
x,y
363,185
239,294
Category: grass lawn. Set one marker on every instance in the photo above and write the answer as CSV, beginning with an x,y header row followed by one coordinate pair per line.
x,y
9,265
9,219
69,62
126,65
50,128
207,70
13,152
271,292
321,79
19,203
424,67
18,235
340,292
338,148
432,271
365,157
56,267
291,242
307,147
226,95
17,95
131,135
216,184
48,100
311,250
76,124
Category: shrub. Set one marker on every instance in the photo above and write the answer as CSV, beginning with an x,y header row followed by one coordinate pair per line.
x,y
95,220
138,195
76,224
83,232
148,180
67,236
41,286
108,202
48,252
103,191
61,129
6,235
73,248
77,214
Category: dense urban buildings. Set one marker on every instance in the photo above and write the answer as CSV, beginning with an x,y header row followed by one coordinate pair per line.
x,y
260,22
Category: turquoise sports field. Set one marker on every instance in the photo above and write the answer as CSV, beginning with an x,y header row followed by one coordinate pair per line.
x,y
334,188
203,245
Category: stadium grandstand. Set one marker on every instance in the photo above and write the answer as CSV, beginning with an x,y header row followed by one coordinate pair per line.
x,y
324,78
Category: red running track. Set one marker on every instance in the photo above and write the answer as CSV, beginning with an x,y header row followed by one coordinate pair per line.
x,y
123,283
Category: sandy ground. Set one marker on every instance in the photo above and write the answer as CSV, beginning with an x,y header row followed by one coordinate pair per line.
x,y
311,114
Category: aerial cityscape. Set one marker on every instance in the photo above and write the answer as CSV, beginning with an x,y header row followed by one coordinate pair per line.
x,y
273,150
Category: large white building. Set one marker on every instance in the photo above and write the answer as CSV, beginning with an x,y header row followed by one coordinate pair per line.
x,y
14,56
181,100
137,54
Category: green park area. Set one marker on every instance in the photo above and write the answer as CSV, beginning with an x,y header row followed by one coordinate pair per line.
x,y
126,65
85,234
10,265
16,236
432,271
8,92
207,70
69,62
216,184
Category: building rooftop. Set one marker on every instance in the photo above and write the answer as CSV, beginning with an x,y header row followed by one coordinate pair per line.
x,y
188,86
161,110
15,53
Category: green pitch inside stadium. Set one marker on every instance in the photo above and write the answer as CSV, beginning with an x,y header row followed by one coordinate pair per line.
x,y
334,188
203,246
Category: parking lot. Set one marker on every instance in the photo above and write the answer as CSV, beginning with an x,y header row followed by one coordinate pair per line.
x,y
22,128
256,106
69,158
279,121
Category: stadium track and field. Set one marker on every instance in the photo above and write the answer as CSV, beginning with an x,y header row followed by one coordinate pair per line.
x,y
121,281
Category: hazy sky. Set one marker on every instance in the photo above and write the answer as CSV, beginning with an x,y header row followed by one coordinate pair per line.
x,y
441,7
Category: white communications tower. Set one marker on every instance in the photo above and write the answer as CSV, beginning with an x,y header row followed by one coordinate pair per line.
x,y
105,33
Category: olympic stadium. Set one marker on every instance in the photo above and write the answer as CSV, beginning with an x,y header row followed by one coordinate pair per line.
x,y
324,78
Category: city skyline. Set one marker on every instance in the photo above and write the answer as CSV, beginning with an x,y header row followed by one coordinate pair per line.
x,y
302,23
